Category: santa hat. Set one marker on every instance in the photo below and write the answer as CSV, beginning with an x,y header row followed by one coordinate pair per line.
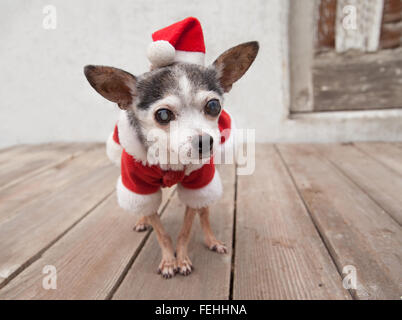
x,y
182,41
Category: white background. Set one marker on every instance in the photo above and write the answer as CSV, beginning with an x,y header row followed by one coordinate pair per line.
x,y
44,95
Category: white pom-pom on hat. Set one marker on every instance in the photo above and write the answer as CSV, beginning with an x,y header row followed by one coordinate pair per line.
x,y
161,53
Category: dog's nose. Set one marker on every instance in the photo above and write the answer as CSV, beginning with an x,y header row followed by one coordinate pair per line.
x,y
203,143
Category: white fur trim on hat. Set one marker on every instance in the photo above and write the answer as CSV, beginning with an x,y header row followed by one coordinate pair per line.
x,y
190,57
141,204
113,150
203,197
161,53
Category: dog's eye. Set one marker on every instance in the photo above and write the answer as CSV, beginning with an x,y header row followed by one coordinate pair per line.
x,y
164,116
213,107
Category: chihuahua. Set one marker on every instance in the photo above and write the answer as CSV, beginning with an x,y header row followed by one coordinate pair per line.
x,y
169,130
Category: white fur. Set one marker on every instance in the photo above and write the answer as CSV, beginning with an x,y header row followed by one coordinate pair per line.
x,y
203,96
185,89
199,198
113,150
141,204
190,57
129,138
161,53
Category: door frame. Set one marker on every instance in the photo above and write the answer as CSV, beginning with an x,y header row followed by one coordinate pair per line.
x,y
300,123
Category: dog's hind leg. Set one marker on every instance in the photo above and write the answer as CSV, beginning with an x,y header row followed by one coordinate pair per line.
x,y
211,242
183,262
168,266
140,225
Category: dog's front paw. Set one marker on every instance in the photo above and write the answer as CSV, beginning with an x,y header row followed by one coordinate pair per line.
x,y
141,226
217,246
167,268
184,266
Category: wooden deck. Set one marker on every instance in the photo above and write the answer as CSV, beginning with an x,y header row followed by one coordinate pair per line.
x,y
292,227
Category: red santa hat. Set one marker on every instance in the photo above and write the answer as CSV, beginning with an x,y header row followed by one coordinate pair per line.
x,y
182,41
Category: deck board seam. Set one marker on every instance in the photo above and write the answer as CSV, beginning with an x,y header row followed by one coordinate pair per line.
x,y
324,240
232,265
40,253
136,253
376,159
343,173
32,174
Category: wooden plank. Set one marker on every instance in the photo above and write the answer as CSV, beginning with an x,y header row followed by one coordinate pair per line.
x,y
326,25
211,276
392,11
13,148
32,160
50,181
391,36
379,182
356,82
90,259
390,154
391,30
21,154
355,229
12,153
279,253
24,236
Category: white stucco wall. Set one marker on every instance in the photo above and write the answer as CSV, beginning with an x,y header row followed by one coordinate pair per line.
x,y
44,95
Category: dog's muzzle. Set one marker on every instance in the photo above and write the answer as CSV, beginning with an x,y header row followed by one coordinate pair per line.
x,y
203,144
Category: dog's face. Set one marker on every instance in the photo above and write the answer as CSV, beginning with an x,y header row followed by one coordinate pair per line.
x,y
175,109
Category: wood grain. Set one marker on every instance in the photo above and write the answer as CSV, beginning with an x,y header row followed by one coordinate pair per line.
x,y
392,11
389,154
355,229
36,226
363,170
279,253
326,25
356,82
211,277
30,160
90,259
5,152
391,30
17,196
305,213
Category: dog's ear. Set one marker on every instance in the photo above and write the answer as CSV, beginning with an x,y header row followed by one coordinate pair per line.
x,y
113,84
233,63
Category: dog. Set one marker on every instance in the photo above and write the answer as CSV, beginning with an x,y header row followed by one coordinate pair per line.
x,y
169,131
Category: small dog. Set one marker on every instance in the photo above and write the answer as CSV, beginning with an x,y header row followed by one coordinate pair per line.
x,y
171,126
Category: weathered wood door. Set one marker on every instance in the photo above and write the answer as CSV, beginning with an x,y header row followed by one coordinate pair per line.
x,y
356,56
